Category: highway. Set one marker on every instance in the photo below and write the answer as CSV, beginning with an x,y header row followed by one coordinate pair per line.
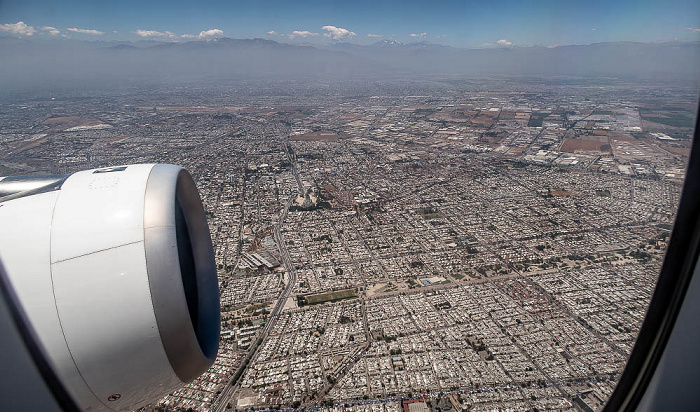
x,y
230,388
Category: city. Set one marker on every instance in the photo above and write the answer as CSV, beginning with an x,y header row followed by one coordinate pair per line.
x,y
415,243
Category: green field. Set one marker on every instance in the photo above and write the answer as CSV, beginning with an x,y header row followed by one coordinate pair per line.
x,y
670,118
428,213
675,121
535,121
327,297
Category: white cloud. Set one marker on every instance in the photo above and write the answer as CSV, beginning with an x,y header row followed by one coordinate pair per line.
x,y
594,29
271,32
86,31
19,29
337,33
210,34
301,33
154,33
694,30
375,35
418,35
504,42
204,34
51,30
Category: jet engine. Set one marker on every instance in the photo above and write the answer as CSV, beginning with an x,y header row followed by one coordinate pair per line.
x,y
114,269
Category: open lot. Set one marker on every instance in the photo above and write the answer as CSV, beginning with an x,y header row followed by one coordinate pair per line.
x,y
574,145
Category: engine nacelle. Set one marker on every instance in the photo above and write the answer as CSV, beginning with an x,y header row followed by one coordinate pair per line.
x,y
115,271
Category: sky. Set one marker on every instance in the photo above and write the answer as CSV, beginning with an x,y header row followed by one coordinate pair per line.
x,y
454,23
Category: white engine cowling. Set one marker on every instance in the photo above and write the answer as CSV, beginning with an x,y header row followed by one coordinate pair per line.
x,y
115,271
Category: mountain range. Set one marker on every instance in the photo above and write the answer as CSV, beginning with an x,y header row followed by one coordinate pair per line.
x,y
27,62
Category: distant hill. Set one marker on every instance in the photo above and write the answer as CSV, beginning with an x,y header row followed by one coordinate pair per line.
x,y
28,62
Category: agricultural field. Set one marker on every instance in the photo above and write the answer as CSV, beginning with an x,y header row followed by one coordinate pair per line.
x,y
586,145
